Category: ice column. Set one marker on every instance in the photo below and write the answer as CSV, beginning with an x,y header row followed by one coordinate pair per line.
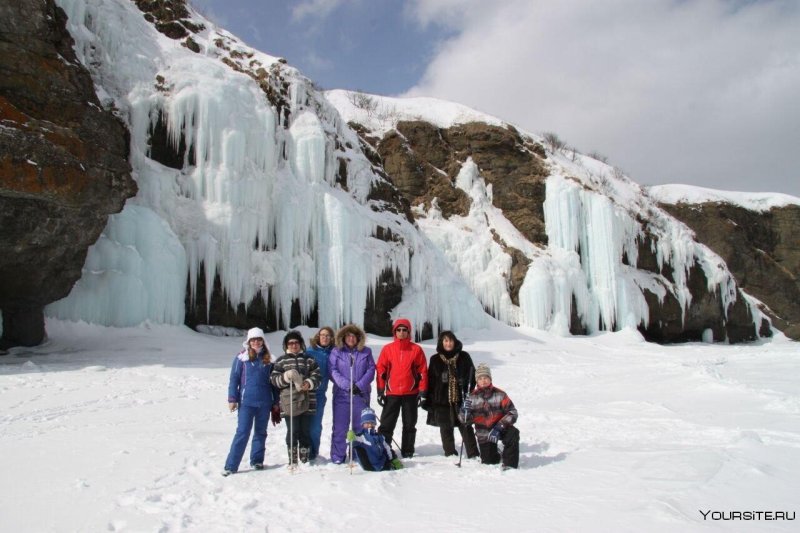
x,y
586,227
136,271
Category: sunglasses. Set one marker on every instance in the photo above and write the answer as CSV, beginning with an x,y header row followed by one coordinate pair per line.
x,y
401,329
291,342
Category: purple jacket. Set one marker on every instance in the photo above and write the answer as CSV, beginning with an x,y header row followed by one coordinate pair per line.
x,y
363,370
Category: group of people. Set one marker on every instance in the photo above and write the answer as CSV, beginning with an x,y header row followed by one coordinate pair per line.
x,y
293,388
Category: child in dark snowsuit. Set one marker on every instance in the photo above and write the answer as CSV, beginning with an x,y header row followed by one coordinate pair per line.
x,y
370,447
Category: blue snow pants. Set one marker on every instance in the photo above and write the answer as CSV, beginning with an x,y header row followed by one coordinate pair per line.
x,y
249,417
316,426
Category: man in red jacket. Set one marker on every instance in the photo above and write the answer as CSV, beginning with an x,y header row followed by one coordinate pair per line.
x,y
402,380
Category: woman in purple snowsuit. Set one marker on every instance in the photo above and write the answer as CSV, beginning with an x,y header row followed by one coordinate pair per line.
x,y
349,354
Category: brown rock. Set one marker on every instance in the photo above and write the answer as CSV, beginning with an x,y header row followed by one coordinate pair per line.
x,y
762,251
423,161
63,165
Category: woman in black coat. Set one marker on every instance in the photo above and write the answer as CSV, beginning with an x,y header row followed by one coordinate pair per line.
x,y
451,376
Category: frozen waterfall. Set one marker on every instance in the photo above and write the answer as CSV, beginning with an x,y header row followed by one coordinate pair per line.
x,y
255,203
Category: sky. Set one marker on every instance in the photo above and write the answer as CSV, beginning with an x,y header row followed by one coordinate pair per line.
x,y
701,92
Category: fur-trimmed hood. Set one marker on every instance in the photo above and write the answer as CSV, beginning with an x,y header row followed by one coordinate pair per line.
x,y
357,331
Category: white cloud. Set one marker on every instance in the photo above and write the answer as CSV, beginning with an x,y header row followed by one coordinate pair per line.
x,y
316,62
693,91
318,9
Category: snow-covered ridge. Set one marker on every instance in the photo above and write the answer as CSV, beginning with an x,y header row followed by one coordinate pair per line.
x,y
380,114
690,194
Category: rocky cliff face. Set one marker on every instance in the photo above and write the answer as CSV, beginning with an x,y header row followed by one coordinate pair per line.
x,y
762,250
63,165
423,160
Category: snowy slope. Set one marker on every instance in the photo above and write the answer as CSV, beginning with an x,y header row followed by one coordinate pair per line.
x,y
109,429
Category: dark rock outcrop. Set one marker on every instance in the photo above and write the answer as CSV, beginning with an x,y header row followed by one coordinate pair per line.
x,y
514,168
170,17
63,165
762,251
423,162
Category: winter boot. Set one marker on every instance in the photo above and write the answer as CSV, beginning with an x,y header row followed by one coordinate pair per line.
x,y
292,451
304,455
407,442
448,441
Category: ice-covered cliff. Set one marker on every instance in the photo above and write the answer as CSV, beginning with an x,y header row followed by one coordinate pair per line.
x,y
260,197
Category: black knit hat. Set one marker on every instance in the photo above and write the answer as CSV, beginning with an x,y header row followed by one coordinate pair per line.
x,y
293,336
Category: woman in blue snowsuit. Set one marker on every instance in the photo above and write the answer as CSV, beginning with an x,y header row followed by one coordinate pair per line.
x,y
370,448
250,391
352,370
321,346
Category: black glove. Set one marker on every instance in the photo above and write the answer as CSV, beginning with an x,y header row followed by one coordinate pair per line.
x,y
381,398
355,390
421,397
496,433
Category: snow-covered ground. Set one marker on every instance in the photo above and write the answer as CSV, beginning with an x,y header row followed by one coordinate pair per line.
x,y
126,429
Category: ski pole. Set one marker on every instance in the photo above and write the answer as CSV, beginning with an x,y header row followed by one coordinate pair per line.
x,y
464,397
291,427
351,417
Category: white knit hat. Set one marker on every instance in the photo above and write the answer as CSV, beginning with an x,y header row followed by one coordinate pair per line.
x,y
255,333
